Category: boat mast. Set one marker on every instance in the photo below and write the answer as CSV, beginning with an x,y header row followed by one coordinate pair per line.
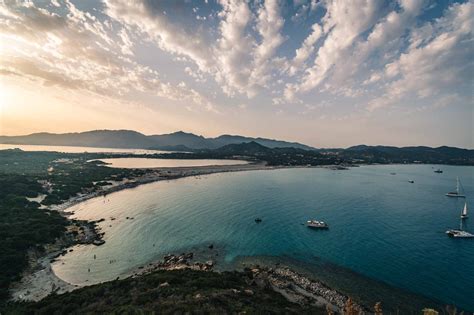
x,y
464,211
457,185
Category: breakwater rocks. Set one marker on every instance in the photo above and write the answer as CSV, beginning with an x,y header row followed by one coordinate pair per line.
x,y
293,286
176,262
86,232
302,290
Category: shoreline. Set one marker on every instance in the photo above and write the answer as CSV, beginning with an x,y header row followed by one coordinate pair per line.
x,y
39,274
34,282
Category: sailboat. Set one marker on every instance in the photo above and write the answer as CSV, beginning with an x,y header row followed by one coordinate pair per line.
x,y
464,212
457,192
460,233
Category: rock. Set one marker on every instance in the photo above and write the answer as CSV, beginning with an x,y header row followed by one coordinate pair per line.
x,y
164,284
211,246
248,292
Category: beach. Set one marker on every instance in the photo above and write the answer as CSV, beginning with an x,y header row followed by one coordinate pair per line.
x,y
39,279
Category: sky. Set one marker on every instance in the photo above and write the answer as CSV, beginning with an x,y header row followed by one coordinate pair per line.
x,y
327,73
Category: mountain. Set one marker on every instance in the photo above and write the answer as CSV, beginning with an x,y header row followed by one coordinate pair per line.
x,y
131,139
405,154
96,138
444,150
180,138
269,143
245,148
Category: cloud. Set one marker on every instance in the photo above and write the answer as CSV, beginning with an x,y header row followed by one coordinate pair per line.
x,y
369,51
437,62
269,25
306,49
78,51
343,23
151,20
233,46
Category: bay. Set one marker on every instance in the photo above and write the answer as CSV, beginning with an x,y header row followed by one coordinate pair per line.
x,y
381,226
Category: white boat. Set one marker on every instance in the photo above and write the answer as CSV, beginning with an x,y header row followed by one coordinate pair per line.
x,y
464,212
456,193
314,224
460,233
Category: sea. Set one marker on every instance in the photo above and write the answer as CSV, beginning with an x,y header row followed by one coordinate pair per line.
x,y
386,239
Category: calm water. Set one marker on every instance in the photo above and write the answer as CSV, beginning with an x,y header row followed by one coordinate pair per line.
x,y
381,226
150,163
69,149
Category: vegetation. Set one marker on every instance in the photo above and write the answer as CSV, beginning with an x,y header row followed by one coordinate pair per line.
x,y
23,224
170,292
356,155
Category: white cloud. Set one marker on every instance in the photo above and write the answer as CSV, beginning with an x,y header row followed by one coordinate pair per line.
x,y
77,51
306,49
233,47
153,22
269,25
437,62
343,23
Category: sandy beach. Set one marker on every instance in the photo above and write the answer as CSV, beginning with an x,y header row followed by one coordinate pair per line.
x,y
39,280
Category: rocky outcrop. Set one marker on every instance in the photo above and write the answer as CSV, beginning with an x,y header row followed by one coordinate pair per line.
x,y
300,289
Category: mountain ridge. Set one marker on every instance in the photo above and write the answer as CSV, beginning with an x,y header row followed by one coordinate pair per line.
x,y
136,140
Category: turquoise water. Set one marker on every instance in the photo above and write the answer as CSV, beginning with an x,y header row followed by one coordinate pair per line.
x,y
381,226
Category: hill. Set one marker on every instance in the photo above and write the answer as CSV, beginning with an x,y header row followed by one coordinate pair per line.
x,y
180,140
170,292
389,154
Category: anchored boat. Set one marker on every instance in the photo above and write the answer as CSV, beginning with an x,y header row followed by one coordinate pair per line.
x,y
456,193
464,212
314,224
460,233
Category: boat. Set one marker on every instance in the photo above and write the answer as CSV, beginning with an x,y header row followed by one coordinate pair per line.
x,y
258,220
314,224
456,193
393,173
460,233
438,171
411,181
464,212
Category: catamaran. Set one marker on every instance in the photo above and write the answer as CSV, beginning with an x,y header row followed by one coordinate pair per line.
x,y
464,212
456,193
460,233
